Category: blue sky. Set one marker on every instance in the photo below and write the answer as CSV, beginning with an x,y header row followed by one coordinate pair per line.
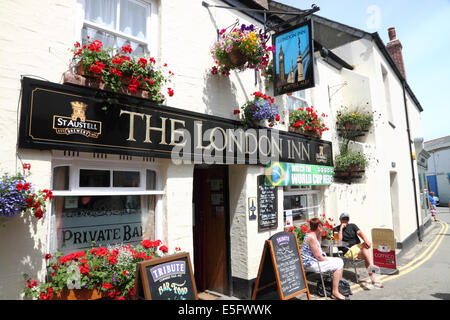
x,y
423,28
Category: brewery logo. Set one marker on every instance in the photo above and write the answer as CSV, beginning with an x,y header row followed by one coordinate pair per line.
x,y
320,157
77,122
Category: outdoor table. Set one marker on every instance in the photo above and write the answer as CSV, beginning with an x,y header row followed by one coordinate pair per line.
x,y
328,245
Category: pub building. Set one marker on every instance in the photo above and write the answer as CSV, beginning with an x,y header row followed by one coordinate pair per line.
x,y
185,171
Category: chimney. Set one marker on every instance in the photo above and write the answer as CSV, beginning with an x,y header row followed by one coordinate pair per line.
x,y
395,49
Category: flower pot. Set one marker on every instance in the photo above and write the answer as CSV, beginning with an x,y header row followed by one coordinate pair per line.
x,y
236,57
338,173
79,294
349,126
306,133
79,69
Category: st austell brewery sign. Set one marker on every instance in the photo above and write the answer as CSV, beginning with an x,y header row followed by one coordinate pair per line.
x,y
294,59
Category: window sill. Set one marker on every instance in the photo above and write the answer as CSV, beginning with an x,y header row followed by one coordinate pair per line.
x,y
108,192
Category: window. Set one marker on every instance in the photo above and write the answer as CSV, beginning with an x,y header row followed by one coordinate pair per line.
x,y
387,95
301,203
120,22
297,100
103,203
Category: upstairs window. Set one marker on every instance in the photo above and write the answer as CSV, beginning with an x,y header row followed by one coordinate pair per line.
x,y
117,23
297,100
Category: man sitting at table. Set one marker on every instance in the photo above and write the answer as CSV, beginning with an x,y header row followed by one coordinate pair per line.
x,y
350,233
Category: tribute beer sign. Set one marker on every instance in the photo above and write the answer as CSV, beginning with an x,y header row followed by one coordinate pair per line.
x,y
69,117
167,278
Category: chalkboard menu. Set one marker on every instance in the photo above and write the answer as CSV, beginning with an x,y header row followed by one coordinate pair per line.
x,y
281,265
267,206
167,278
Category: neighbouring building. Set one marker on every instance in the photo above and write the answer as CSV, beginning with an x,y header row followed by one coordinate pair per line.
x,y
128,183
438,173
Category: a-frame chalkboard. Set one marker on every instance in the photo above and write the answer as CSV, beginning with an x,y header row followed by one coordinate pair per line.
x,y
167,278
281,265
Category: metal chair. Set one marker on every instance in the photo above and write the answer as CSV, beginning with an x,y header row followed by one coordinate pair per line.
x,y
352,262
328,273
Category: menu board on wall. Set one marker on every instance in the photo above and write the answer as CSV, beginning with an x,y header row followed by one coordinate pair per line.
x,y
281,265
167,278
267,206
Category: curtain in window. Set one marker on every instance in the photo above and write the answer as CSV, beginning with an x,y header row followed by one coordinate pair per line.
x,y
103,12
133,19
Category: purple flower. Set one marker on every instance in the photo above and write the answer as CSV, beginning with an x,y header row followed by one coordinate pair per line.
x,y
12,200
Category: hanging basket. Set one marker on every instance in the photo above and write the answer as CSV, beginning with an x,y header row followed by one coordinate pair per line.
x,y
236,57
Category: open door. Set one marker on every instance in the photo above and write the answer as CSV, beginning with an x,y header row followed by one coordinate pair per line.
x,y
211,257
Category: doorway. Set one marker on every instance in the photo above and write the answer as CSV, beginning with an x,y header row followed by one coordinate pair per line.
x,y
211,229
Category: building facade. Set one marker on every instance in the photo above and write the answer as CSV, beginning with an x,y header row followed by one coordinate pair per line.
x,y
438,173
202,208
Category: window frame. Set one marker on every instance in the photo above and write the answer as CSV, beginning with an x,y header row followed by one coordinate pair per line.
x,y
151,40
309,193
74,178
296,96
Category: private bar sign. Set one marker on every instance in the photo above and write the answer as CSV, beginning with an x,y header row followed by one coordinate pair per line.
x,y
68,117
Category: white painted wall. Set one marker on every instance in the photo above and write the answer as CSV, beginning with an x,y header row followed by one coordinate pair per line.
x,y
34,45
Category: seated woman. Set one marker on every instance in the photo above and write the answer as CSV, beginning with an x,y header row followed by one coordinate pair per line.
x,y
313,256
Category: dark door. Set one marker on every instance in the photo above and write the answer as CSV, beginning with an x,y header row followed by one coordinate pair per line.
x,y
210,197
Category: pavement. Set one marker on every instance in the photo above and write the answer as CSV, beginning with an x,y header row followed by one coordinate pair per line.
x,y
423,271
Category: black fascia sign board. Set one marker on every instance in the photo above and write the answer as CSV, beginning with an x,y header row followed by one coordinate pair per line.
x,y
69,117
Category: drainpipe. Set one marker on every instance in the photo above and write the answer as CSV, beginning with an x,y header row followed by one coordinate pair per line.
x,y
412,161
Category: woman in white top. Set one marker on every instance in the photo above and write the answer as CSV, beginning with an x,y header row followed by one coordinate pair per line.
x,y
312,257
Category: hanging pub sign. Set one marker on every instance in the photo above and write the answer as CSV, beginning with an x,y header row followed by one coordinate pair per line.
x,y
294,59
167,278
297,174
69,117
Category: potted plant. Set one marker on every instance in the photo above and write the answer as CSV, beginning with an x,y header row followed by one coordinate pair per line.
x,y
352,122
267,73
255,112
300,230
119,71
349,163
307,121
240,48
17,195
94,273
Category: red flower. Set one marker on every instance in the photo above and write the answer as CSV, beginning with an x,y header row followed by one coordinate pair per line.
x,y
277,118
48,256
236,111
38,214
27,166
95,46
127,48
163,249
170,92
117,60
107,286
142,62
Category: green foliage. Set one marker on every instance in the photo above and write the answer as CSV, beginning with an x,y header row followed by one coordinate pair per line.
x,y
116,68
358,120
111,270
350,159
